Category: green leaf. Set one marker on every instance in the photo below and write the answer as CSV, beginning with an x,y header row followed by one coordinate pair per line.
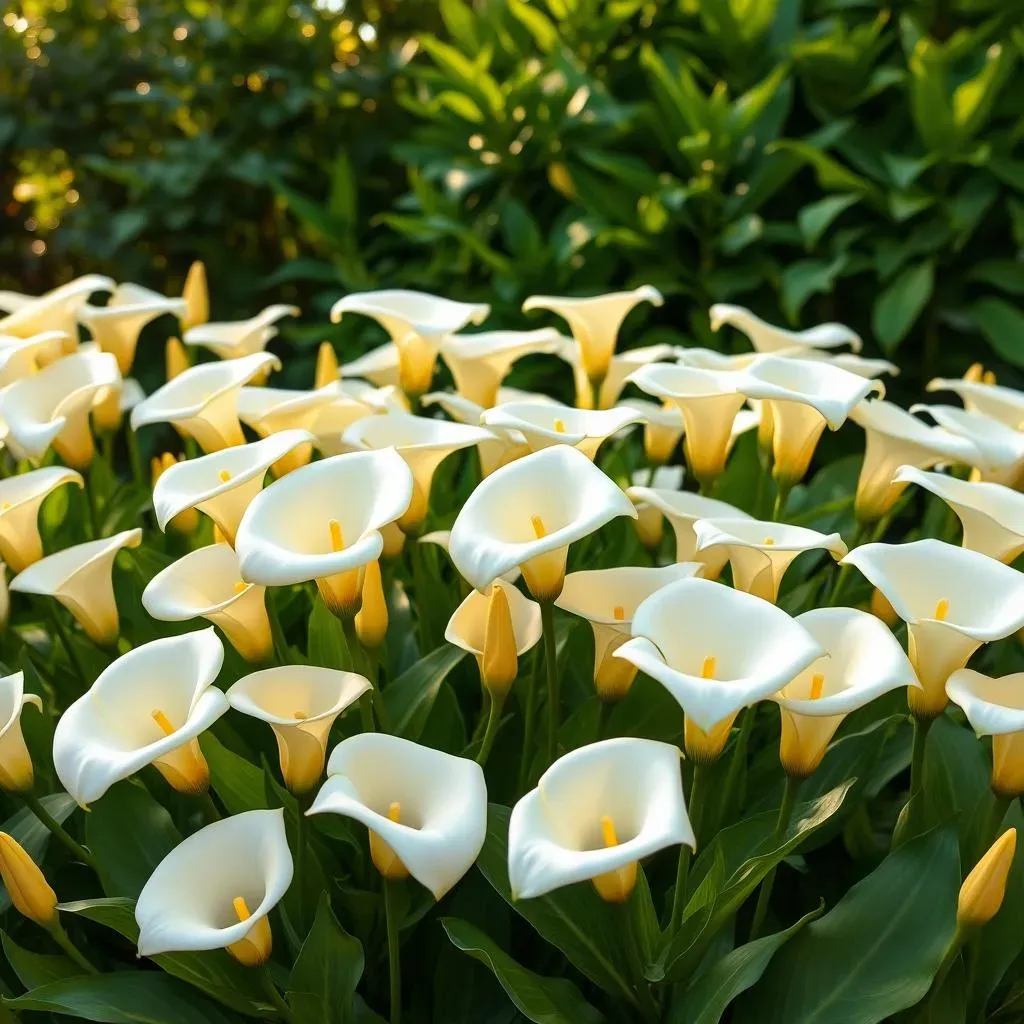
x,y
35,969
816,218
1006,275
804,278
327,645
1003,327
540,999
831,174
237,782
876,952
409,698
899,306
544,33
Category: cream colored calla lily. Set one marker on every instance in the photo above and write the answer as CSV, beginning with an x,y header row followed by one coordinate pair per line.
x,y
215,889
595,322
766,337
710,359
379,365
116,326
16,775
502,447
896,438
995,707
21,357
528,513
999,449
992,515
650,521
202,401
52,407
5,598
240,337
80,578
207,583
323,523
20,500
995,400
663,428
608,600
716,650
596,812
619,369
426,810
222,484
147,707
57,310
863,660
544,425
952,600
300,703
848,361
760,552
424,443
440,538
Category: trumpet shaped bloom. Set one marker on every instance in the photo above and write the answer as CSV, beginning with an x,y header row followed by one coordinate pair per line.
x,y
760,552
543,425
240,337
21,357
480,362
440,538
81,578
716,650
710,359
202,401
863,660
650,521
995,400
20,500
379,366
621,366
952,600
147,707
323,522
596,812
222,484
300,703
16,773
663,428
992,515
116,326
766,337
849,361
502,447
608,600
207,583
215,889
57,310
528,513
999,449
426,810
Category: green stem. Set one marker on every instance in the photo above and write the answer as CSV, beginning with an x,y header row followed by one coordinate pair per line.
x,y
278,641
529,719
738,761
65,640
845,570
394,962
57,831
921,727
781,824
493,720
209,807
604,712
60,936
135,458
637,957
990,833
301,841
547,616
781,500
695,805
274,996
366,712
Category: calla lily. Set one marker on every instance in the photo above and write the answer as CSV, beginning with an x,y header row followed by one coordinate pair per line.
x,y
596,812
215,889
20,500
424,443
108,414
650,522
710,359
480,362
760,552
196,294
619,369
709,400
545,425
716,650
848,361
426,810
766,337
57,310
984,889
222,484
682,509
147,707
80,578
528,513
52,407
16,775
323,523
207,583
992,515
116,326
327,370
300,703
952,600
896,438
999,449
502,447
440,538
663,428
995,707
416,322
801,397
241,337
595,322
863,660
379,365
385,399
203,400
995,400
608,600
5,598
21,357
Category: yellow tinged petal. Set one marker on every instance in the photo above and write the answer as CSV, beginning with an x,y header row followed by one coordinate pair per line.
x,y
29,891
983,890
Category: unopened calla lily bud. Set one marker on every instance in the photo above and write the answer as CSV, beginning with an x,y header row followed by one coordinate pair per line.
x,y
187,521
196,295
326,365
372,618
29,891
983,890
176,359
499,665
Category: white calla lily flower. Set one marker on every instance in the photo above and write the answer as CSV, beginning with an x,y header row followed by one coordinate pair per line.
x,y
621,366
848,361
300,703
379,365
21,497
528,513
663,428
57,310
650,521
545,425
761,552
215,889
222,484
16,774
80,578
323,522
716,650
710,359
999,449
21,357
766,337
202,401
953,600
147,707
863,660
240,337
995,400
116,326
207,583
440,538
426,810
502,447
596,812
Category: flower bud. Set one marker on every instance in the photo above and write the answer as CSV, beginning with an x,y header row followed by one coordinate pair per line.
x,y
29,891
326,365
175,358
499,665
983,890
372,618
197,297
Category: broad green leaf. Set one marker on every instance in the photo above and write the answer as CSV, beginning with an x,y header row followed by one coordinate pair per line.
x,y
238,782
831,174
1003,327
461,23
1006,275
409,698
804,278
327,644
816,218
544,33
35,969
899,306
